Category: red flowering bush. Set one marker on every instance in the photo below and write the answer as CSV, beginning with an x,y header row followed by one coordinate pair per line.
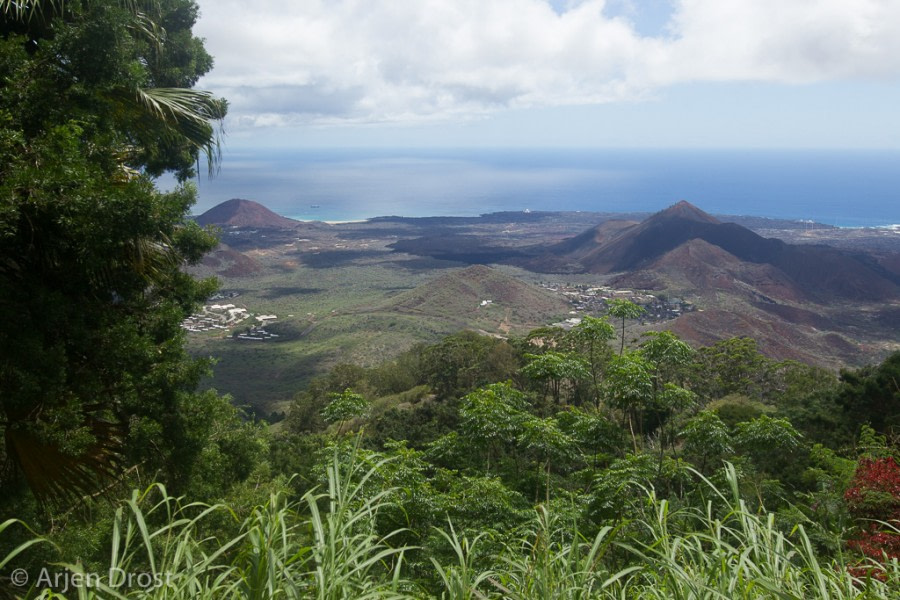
x,y
874,495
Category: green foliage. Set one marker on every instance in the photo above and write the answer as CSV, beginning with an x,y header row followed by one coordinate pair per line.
x,y
872,395
669,355
767,440
462,580
329,545
551,446
629,388
617,489
593,433
345,406
91,354
706,439
591,337
465,361
491,420
732,366
623,309
551,559
873,445
808,397
593,333
546,439
734,409
493,414
556,369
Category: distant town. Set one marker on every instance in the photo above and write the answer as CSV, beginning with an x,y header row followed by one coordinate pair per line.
x,y
226,317
586,299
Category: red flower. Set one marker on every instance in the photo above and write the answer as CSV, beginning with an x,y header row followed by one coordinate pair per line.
x,y
874,495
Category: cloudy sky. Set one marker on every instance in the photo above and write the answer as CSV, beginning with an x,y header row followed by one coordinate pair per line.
x,y
598,73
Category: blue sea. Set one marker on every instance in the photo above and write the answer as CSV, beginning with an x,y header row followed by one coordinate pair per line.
x,y
842,188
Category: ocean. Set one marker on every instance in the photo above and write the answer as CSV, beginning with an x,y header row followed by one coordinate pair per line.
x,y
841,188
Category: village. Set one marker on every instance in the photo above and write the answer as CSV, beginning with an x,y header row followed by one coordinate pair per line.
x,y
587,299
224,317
215,316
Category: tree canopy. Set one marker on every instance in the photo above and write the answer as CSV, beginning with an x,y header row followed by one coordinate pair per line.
x,y
95,101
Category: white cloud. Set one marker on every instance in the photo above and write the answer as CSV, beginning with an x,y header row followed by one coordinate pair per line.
x,y
325,61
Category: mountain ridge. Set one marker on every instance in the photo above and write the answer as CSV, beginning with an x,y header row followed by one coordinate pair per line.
x,y
821,271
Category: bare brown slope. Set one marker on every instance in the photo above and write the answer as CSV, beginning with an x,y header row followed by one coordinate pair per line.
x,y
244,213
584,243
228,262
779,339
708,269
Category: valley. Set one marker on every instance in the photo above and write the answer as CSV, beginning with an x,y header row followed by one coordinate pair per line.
x,y
363,292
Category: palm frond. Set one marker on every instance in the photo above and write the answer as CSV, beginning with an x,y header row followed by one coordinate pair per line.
x,y
24,11
58,477
190,114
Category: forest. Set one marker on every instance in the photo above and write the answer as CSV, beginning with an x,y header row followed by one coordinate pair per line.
x,y
562,464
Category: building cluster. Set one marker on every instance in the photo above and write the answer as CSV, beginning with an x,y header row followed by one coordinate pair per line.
x,y
256,333
215,316
587,299
223,295
228,316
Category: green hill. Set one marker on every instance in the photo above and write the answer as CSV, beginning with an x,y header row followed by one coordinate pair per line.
x,y
484,297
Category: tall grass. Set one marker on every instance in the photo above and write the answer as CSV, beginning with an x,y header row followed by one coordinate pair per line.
x,y
324,547
554,561
327,547
723,551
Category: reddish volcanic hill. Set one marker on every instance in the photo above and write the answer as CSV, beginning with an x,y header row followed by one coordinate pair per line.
x,y
605,249
708,269
821,272
245,213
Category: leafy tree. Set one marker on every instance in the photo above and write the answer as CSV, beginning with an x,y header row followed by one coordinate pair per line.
x,y
94,98
872,394
623,309
593,335
593,433
491,419
670,359
550,338
808,397
732,366
345,406
706,438
735,408
771,445
767,439
554,368
465,361
545,438
668,354
629,387
618,490
670,401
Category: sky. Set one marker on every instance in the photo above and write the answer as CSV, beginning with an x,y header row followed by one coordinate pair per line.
x,y
817,74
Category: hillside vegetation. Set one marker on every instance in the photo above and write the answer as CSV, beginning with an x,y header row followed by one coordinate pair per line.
x,y
547,466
